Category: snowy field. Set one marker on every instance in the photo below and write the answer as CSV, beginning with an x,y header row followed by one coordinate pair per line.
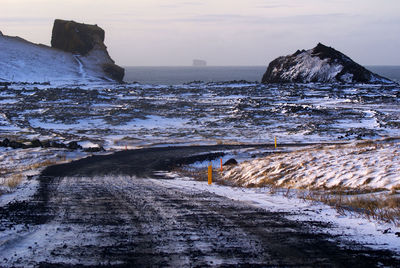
x,y
129,116
132,115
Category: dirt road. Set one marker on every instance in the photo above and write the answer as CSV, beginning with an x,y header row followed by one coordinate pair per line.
x,y
104,211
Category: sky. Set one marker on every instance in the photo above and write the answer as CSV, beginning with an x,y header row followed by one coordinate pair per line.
x,y
222,32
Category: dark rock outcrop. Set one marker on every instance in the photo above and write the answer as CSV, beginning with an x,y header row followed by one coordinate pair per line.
x,y
116,72
36,143
73,145
231,162
88,41
76,37
320,64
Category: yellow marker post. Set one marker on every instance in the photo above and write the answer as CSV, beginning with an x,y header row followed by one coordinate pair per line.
x,y
221,164
275,142
210,173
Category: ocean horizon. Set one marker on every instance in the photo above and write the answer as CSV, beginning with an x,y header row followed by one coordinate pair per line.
x,y
173,75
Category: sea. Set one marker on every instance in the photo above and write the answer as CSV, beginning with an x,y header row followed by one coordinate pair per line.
x,y
169,75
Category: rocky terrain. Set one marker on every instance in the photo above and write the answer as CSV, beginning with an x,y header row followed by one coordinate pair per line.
x,y
78,55
320,64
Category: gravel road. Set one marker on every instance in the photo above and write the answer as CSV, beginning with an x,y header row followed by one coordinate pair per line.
x,y
104,211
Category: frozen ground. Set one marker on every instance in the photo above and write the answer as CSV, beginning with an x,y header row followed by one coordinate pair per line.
x,y
133,115
98,219
360,166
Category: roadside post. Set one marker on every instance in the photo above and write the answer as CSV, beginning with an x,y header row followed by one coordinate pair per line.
x,y
209,173
275,142
221,164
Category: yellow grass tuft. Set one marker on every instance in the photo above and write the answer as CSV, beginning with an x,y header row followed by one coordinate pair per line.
x,y
43,164
14,180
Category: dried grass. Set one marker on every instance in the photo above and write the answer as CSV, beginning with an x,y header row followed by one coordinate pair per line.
x,y
14,180
382,208
344,199
42,164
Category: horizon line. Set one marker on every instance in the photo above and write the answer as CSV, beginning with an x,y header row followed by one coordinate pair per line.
x,y
127,66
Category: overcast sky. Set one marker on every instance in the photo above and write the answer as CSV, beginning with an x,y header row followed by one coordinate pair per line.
x,y
223,32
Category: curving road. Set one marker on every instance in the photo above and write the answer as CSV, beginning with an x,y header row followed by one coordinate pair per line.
x,y
104,211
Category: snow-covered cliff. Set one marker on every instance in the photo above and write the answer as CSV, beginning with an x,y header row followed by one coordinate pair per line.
x,y
23,61
320,64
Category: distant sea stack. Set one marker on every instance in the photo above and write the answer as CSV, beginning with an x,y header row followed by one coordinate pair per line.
x,y
86,40
199,63
77,55
320,64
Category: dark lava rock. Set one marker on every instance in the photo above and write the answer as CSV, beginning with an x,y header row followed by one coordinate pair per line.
x,y
94,149
320,64
5,142
54,144
16,145
116,72
80,38
13,144
36,143
231,162
73,145
46,144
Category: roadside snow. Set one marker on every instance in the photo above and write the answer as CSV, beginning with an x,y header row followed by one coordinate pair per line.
x,y
364,165
349,227
20,164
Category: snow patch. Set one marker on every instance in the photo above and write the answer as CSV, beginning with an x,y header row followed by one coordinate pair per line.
x,y
311,68
360,165
23,61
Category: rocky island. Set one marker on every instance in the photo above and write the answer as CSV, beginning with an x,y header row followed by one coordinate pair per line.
x,y
77,54
320,64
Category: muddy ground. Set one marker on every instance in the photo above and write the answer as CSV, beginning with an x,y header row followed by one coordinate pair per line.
x,y
104,211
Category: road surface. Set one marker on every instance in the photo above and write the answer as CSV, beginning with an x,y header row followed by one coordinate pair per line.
x,y
105,211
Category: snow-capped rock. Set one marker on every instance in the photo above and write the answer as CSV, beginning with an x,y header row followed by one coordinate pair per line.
x,y
23,61
320,64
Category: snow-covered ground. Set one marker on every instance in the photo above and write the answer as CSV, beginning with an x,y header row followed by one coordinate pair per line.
x,y
17,165
349,226
132,115
23,61
359,165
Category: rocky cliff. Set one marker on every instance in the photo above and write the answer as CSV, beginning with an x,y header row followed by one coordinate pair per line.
x,y
87,41
320,64
77,55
